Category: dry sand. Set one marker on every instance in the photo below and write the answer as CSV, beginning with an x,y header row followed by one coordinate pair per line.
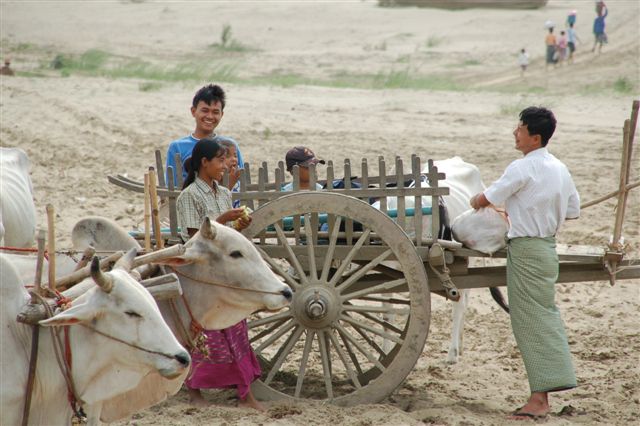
x,y
79,129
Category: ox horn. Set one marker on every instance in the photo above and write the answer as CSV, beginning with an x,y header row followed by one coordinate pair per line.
x,y
104,281
206,230
126,261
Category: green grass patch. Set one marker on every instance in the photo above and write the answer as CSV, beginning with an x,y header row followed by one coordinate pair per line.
x,y
149,86
471,62
434,41
395,79
623,85
102,64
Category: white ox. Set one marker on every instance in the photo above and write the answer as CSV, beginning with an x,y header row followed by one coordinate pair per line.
x,y
17,210
464,181
117,336
217,254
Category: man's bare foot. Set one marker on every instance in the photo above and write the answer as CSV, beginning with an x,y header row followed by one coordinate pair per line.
x,y
251,402
196,398
536,408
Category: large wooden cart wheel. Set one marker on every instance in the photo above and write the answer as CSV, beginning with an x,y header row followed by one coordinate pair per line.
x,y
350,302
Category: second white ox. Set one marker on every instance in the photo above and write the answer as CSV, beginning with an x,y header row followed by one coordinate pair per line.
x,y
117,336
486,233
17,210
216,258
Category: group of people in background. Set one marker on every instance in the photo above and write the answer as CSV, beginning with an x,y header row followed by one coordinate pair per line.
x,y
561,48
204,157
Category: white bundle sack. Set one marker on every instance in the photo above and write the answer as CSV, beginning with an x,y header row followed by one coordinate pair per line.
x,y
484,230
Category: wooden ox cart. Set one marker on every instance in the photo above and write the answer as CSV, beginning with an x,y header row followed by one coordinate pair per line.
x,y
363,277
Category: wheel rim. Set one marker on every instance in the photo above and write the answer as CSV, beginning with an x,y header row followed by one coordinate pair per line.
x,y
328,345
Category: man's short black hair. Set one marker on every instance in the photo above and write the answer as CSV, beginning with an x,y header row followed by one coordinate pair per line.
x,y
539,121
209,94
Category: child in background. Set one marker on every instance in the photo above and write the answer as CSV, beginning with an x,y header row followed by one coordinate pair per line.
x,y
302,157
562,47
572,39
231,161
523,60
231,361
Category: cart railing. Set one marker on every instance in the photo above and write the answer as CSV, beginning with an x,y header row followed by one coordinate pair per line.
x,y
269,187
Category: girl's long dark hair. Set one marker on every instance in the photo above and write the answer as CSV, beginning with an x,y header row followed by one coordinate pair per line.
x,y
204,148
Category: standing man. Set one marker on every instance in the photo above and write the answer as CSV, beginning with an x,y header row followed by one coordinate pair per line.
x,y
207,108
598,26
539,194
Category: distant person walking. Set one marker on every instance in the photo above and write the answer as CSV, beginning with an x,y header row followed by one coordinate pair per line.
x,y
523,61
598,26
561,52
550,42
572,39
6,69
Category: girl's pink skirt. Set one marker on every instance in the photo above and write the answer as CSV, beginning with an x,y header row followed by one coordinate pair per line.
x,y
231,361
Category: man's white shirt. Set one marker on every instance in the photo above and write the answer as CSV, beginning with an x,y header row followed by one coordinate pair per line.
x,y
538,194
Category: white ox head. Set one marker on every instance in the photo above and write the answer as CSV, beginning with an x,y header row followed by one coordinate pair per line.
x,y
225,278
126,330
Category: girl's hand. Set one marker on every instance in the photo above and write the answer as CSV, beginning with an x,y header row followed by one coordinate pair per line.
x,y
231,215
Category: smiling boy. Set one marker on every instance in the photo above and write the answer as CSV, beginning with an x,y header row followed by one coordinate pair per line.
x,y
207,109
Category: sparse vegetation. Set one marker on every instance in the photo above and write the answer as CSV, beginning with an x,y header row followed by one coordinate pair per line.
x,y
623,85
149,86
228,43
434,41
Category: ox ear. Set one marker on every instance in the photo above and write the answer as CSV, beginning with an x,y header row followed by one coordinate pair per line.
x,y
74,315
206,230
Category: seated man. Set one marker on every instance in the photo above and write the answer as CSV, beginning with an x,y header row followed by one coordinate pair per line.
x,y
302,157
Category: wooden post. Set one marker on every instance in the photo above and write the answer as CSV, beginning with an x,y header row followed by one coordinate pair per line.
x,y
624,177
153,193
435,209
147,213
39,264
160,168
417,205
51,243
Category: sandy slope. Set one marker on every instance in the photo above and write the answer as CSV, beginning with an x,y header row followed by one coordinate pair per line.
x,y
79,129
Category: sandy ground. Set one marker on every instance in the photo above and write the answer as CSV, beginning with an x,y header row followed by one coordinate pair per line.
x,y
81,128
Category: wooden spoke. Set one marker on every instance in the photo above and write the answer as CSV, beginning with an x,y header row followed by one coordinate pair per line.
x,y
331,250
372,358
303,362
352,354
292,257
377,309
343,358
345,262
366,268
284,353
369,340
268,342
324,354
374,289
271,318
278,270
386,299
357,324
267,331
383,323
308,228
